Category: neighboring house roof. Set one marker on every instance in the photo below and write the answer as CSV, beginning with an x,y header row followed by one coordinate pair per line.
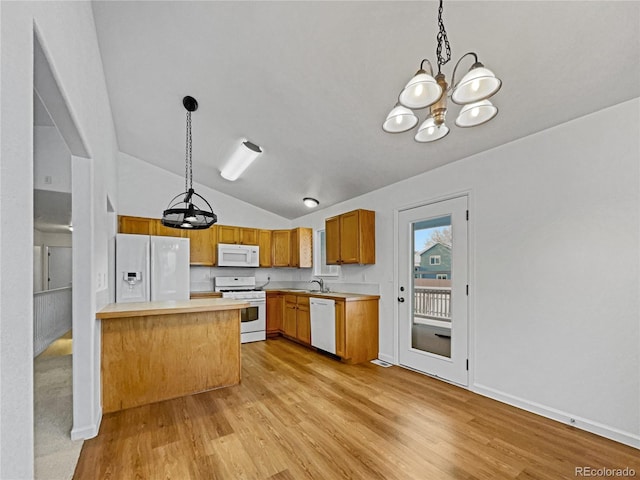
x,y
422,252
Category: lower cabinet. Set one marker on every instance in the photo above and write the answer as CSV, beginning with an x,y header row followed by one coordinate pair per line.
x,y
357,330
297,320
275,312
356,323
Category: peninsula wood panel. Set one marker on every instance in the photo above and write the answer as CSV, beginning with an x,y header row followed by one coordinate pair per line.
x,y
158,357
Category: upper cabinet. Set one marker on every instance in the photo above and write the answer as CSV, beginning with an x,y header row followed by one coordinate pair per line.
x,y
264,242
301,248
237,235
351,238
161,230
278,248
137,225
292,248
203,246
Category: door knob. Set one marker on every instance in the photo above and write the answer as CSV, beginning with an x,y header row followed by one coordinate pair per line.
x,y
401,299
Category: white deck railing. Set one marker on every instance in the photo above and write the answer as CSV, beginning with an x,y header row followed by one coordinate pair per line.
x,y
51,317
432,302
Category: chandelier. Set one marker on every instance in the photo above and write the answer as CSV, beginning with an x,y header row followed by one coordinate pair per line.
x,y
183,212
425,90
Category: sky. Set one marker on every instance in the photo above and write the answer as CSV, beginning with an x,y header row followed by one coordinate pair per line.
x,y
421,237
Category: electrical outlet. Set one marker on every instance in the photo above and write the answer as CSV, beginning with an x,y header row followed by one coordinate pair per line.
x,y
48,180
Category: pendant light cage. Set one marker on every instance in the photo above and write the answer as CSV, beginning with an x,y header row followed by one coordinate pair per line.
x,y
188,210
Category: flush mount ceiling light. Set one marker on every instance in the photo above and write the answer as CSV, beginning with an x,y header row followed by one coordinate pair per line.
x,y
310,202
425,90
183,210
240,160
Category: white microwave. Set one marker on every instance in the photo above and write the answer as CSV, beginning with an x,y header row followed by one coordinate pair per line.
x,y
238,255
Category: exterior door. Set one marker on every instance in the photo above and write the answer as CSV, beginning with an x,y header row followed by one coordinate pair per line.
x,y
432,296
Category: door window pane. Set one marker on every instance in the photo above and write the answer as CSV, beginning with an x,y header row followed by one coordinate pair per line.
x,y
431,286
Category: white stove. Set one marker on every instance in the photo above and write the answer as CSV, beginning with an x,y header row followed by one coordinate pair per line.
x,y
253,318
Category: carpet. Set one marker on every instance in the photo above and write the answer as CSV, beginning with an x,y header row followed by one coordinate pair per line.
x,y
56,455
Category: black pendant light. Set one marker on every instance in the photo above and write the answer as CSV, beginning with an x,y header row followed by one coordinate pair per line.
x,y
183,210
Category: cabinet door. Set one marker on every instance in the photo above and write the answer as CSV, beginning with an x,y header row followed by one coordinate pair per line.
x,y
264,242
304,320
161,230
290,318
350,237
136,225
281,248
248,236
302,247
228,234
295,252
332,240
275,310
340,329
202,246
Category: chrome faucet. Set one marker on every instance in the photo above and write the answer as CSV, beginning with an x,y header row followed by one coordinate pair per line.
x,y
320,282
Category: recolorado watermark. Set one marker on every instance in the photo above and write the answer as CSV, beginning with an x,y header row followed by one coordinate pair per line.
x,y
627,472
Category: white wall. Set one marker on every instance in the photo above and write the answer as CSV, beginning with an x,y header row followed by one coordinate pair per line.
x,y
68,37
555,267
51,158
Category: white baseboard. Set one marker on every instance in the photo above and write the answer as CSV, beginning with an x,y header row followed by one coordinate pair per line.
x,y
88,431
628,438
387,358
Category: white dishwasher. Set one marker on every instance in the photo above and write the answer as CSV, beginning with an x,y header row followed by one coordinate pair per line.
x,y
323,324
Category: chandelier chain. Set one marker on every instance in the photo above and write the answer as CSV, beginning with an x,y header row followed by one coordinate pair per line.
x,y
188,166
442,41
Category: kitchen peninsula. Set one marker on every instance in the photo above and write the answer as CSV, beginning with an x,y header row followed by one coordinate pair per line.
x,y
154,351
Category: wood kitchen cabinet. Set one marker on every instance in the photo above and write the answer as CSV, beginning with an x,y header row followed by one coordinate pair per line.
x,y
301,248
161,230
350,238
275,313
357,330
136,225
237,235
292,248
264,242
280,248
203,245
297,319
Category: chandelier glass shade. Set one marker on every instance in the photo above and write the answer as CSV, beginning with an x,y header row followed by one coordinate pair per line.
x,y
188,210
430,132
421,91
400,119
425,89
479,83
477,113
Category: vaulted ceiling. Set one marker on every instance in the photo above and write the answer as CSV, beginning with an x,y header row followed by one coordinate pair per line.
x,y
312,82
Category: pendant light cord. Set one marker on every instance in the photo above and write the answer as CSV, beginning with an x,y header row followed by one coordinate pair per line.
x,y
442,41
188,165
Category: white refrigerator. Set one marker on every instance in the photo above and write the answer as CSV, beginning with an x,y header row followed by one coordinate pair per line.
x,y
151,268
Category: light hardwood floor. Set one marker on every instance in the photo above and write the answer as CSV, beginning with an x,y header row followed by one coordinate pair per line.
x,y
301,415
